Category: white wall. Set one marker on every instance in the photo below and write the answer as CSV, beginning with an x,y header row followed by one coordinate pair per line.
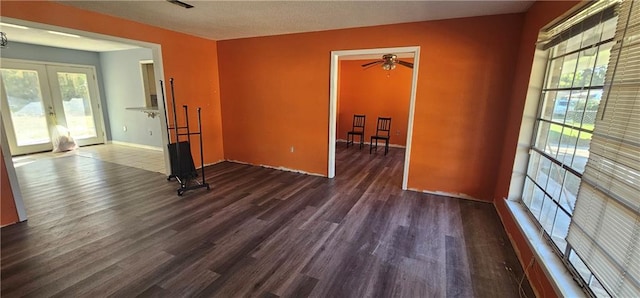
x,y
124,88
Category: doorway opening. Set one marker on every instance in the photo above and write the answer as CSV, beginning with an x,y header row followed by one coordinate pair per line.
x,y
149,82
72,79
42,101
336,57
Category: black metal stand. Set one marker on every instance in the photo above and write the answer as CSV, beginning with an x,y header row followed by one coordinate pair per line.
x,y
182,166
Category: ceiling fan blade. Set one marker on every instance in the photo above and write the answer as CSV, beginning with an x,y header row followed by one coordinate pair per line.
x,y
372,63
404,63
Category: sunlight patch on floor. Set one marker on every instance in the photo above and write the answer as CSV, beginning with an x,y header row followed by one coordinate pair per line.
x,y
146,159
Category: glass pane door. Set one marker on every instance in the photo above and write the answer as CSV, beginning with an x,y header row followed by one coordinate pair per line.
x,y
76,103
26,109
74,93
38,98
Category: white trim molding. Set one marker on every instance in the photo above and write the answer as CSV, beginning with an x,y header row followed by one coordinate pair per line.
x,y
276,168
559,276
450,194
336,56
154,148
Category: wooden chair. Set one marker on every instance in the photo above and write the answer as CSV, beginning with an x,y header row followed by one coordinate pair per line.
x,y
357,129
383,132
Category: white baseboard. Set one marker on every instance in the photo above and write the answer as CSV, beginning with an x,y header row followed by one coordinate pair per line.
x,y
367,143
277,168
135,145
450,194
213,163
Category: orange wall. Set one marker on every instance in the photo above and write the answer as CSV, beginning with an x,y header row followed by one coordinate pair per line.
x,y
539,15
8,213
374,92
192,61
275,94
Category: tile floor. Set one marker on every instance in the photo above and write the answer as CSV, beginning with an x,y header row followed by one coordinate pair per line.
x,y
146,159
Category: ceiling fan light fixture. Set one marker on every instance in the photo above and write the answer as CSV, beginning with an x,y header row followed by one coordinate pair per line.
x,y
388,66
388,62
390,57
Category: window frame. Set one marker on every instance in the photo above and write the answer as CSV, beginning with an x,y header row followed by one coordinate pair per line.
x,y
536,121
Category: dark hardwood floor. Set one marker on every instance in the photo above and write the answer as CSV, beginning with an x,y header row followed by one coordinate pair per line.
x,y
102,229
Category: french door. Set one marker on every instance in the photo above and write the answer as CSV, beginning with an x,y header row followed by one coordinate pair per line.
x,y
38,98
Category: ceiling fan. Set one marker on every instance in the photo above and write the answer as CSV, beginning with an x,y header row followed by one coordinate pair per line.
x,y
389,62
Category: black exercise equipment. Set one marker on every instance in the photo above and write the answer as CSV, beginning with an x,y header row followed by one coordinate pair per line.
x,y
182,166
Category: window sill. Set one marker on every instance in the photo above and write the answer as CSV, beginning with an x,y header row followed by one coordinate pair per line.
x,y
554,269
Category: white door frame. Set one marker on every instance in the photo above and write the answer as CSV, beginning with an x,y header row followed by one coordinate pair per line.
x,y
46,100
156,50
94,96
333,99
51,98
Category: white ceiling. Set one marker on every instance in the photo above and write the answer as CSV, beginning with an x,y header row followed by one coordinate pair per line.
x,y
221,20
28,33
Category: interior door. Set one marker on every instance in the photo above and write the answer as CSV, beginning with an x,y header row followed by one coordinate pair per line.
x,y
75,100
26,107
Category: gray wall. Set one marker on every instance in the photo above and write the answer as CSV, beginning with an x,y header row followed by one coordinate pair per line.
x,y
16,50
124,88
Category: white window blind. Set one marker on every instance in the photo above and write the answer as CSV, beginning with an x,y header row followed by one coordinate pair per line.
x,y
605,228
594,13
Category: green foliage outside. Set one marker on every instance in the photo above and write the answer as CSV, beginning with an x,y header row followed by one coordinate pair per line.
x,y
23,87
569,137
572,133
591,105
584,78
21,84
73,86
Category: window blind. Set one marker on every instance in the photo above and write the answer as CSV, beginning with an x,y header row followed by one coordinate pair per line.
x,y
595,13
605,229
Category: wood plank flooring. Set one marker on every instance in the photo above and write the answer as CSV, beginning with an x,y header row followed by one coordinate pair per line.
x,y
103,229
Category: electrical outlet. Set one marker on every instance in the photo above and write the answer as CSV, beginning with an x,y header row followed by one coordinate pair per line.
x,y
124,128
292,149
150,132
